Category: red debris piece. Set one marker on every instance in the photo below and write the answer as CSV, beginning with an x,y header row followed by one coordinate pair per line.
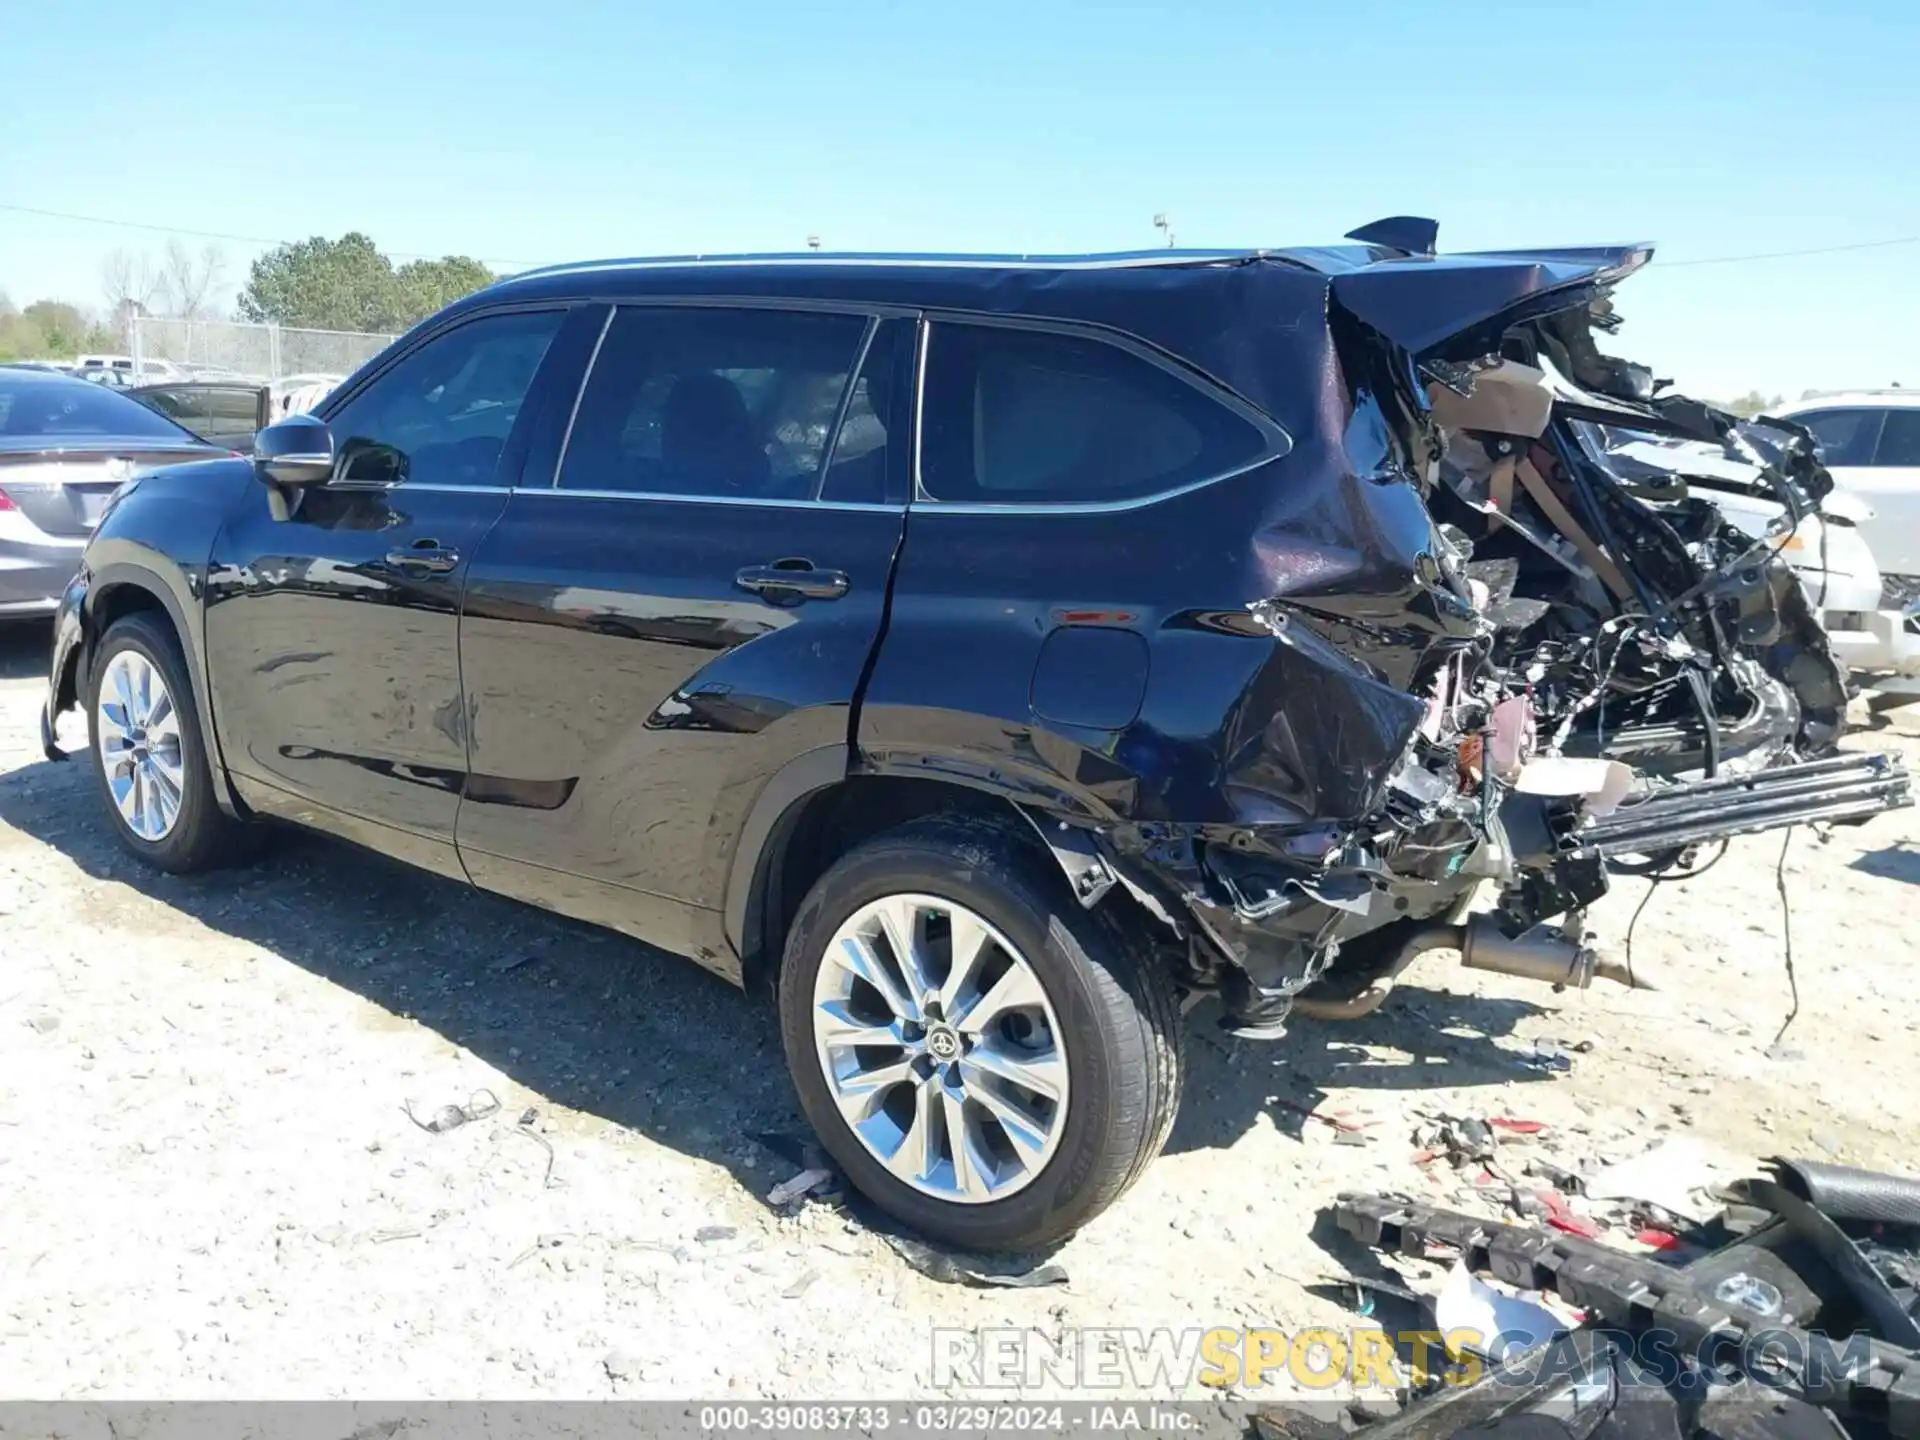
x,y
1562,1216
1518,1127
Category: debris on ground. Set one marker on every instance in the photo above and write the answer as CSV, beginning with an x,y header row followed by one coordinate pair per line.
x,y
479,1106
1672,1175
1337,1122
947,1266
1547,1056
525,1129
1467,1305
981,1272
1715,1307
798,1187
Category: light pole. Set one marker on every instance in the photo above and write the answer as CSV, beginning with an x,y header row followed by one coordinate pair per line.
x,y
1165,227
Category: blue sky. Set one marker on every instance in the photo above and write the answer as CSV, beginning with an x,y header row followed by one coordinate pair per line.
x,y
570,129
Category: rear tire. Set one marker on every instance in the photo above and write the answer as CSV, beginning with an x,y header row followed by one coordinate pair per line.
x,y
165,814
1092,1020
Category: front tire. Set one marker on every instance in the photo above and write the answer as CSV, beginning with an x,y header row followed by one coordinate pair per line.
x,y
983,1057
154,778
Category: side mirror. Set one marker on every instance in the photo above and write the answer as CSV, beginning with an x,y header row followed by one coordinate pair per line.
x,y
296,451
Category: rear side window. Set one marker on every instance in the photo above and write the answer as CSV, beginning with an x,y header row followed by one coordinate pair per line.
x,y
716,403
1844,437
1899,439
1017,416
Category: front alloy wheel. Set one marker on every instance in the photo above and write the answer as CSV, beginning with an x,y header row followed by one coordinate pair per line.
x,y
940,1048
139,740
154,777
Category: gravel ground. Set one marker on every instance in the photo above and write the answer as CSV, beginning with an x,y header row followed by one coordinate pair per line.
x,y
211,1188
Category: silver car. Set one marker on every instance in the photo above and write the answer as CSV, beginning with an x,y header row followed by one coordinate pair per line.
x,y
65,446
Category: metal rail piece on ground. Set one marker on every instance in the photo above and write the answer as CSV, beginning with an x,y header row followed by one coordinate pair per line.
x,y
1843,789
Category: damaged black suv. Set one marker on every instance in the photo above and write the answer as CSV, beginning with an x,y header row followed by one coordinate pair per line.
x,y
987,654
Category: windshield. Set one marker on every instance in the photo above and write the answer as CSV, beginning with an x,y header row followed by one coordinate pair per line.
x,y
33,406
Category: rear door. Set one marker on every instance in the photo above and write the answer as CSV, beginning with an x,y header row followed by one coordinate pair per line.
x,y
1892,486
679,601
331,635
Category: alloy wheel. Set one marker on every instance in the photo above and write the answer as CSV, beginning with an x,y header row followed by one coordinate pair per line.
x,y
139,732
940,1048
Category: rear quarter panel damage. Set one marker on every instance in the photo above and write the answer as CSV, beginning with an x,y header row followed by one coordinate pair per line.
x,y
1285,615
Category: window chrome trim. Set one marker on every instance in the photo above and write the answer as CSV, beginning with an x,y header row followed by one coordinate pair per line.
x,y
922,340
931,506
773,304
657,495
397,487
1279,441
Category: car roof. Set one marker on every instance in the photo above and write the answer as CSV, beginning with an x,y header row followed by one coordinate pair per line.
x,y
967,268
1897,398
1203,306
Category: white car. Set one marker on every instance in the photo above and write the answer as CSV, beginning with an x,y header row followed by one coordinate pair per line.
x,y
1828,551
144,369
1870,440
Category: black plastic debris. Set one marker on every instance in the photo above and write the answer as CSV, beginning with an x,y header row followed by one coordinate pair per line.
x,y
1790,1285
979,1271
947,1266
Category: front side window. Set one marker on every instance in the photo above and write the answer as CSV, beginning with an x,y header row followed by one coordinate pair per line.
x,y
1031,417
441,415
1899,439
1843,437
716,403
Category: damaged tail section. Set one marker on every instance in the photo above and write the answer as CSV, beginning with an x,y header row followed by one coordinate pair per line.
x,y
1499,654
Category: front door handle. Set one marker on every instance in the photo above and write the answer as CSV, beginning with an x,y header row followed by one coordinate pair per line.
x,y
425,556
796,578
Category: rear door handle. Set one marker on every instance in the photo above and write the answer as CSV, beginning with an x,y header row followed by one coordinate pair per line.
x,y
795,578
425,557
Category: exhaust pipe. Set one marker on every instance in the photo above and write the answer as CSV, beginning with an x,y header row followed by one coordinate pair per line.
x,y
1547,955
1427,937
1542,953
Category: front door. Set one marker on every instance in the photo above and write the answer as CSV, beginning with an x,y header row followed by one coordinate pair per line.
x,y
332,635
689,604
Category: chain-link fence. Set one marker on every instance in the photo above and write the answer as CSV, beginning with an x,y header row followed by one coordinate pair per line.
x,y
230,349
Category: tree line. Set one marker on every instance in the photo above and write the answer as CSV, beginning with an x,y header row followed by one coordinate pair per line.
x,y
321,284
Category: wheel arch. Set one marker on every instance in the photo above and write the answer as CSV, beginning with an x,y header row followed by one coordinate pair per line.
x,y
118,590
813,811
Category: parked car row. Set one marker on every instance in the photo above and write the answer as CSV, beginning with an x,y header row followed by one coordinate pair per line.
x,y
989,656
